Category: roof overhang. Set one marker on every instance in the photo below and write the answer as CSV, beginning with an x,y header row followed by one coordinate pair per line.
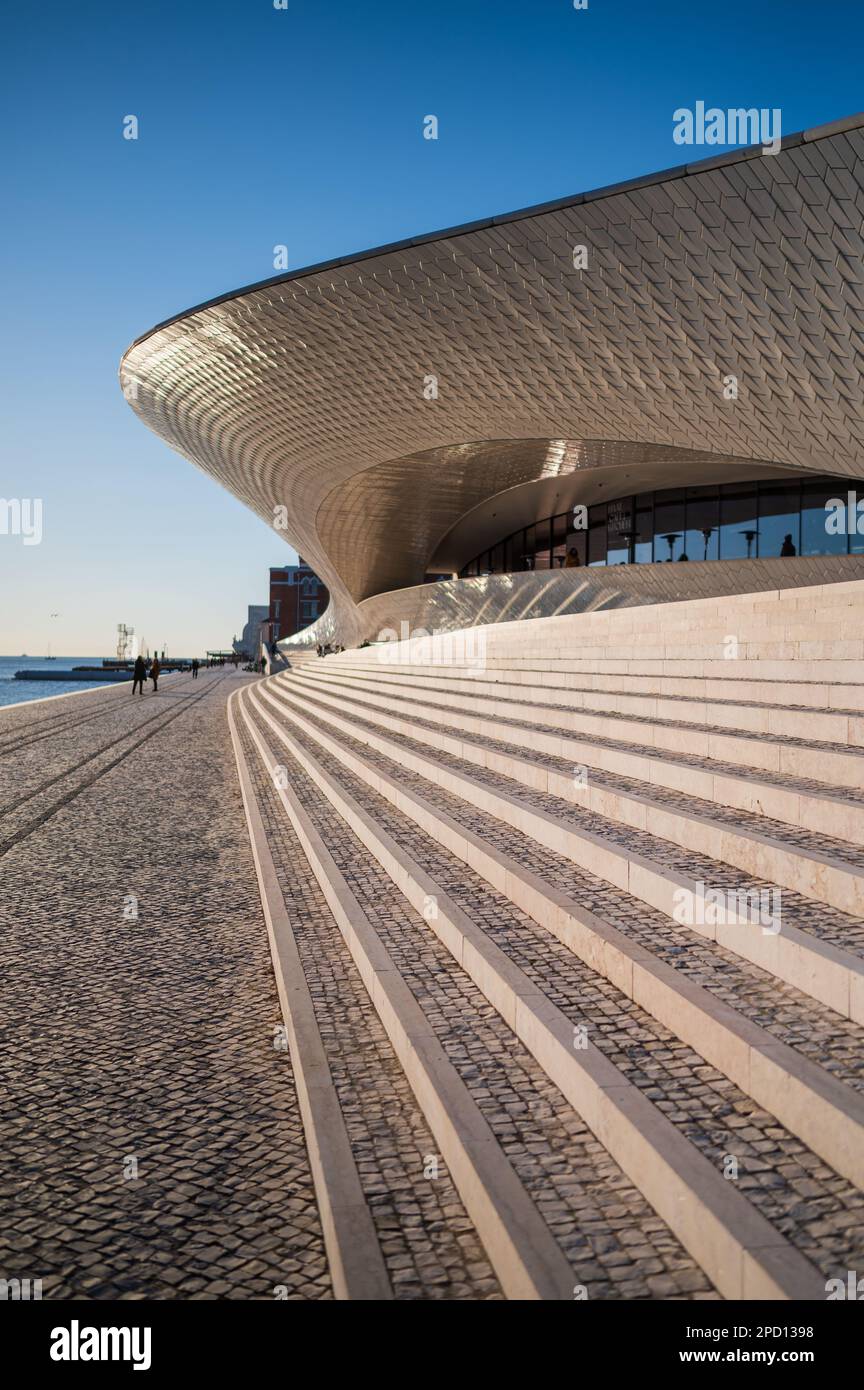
x,y
310,396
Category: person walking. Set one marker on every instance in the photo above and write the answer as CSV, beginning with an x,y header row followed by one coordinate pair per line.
x,y
139,671
154,674
195,669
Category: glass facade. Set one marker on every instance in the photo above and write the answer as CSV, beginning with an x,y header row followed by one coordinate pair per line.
x,y
733,521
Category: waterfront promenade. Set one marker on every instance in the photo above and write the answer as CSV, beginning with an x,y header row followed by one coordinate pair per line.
x,y
151,1140
422,979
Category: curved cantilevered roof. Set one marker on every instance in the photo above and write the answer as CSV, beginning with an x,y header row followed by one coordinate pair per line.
x,y
307,395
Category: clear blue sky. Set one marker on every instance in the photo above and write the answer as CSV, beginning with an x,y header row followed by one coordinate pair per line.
x,y
261,126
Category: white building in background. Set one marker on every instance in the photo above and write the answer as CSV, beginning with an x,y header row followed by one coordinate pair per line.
x,y
249,641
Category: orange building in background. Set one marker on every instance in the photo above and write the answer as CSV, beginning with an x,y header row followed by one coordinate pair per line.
x,y
297,598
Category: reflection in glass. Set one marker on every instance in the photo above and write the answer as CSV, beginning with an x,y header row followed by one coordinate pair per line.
x,y
542,547
738,528
669,525
735,521
559,540
577,541
779,520
529,547
643,531
619,530
702,540
597,534
815,536
514,551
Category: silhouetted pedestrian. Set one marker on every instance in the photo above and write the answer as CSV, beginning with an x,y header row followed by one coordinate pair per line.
x,y
138,674
788,546
195,669
154,674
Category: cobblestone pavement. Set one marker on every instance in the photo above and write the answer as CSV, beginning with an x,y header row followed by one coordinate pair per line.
x,y
152,1144
429,1245
817,1210
616,1244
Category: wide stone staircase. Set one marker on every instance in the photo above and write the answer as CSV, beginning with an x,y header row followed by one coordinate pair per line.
x,y
566,917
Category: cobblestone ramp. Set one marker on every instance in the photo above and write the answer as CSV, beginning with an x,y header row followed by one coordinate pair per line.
x,y
152,1143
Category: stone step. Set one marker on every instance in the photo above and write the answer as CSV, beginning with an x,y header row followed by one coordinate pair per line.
x,y
696,646
386,1127
814,725
645,867
795,695
800,671
831,764
712,956
795,801
570,946
666,629
526,1116
826,871
357,1266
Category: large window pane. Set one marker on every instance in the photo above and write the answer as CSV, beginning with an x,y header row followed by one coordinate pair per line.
x,y
597,534
816,538
702,537
514,551
528,548
542,545
577,548
735,521
618,554
779,520
738,529
619,530
669,525
559,539
643,531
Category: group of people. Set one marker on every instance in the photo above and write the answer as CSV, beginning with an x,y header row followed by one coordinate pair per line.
x,y
140,674
328,649
142,669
